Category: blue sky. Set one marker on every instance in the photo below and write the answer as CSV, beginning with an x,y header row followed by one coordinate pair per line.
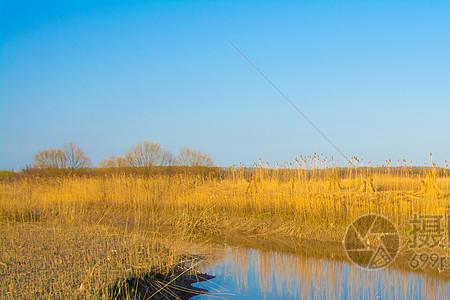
x,y
374,76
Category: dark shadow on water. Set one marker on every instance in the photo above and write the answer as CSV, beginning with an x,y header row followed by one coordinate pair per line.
x,y
177,284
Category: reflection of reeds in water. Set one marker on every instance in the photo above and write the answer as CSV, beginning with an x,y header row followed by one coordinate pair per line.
x,y
281,275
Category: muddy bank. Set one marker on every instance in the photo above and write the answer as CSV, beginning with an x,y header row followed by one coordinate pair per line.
x,y
177,284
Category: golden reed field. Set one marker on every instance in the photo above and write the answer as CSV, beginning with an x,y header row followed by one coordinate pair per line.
x,y
85,233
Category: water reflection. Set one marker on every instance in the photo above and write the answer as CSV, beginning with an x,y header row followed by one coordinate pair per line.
x,y
256,274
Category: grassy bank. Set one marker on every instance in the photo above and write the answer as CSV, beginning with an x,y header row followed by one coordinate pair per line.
x,y
43,260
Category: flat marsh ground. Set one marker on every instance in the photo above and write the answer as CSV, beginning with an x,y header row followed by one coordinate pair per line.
x,y
78,234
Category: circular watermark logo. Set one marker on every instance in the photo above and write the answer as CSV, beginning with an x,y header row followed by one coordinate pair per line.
x,y
372,241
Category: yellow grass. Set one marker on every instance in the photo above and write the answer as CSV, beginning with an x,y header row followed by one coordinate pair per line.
x,y
77,218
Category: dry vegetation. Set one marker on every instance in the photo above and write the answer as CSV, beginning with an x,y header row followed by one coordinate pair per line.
x,y
81,231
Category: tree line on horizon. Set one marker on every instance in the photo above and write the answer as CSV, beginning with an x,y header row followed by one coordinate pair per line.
x,y
145,154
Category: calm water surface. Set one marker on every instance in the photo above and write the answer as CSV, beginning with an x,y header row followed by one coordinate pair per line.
x,y
256,274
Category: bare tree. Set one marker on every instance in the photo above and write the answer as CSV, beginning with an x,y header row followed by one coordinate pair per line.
x,y
167,158
148,154
50,158
189,157
68,156
75,157
114,162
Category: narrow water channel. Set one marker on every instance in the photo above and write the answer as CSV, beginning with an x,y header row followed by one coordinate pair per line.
x,y
243,273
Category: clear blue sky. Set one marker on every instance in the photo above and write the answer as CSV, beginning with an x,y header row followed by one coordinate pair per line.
x,y
374,76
